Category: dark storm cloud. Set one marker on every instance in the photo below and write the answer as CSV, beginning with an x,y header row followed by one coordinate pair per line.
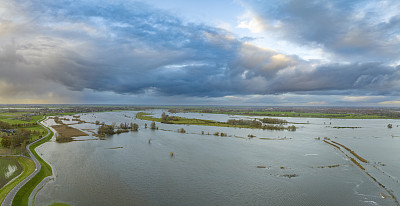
x,y
358,78
131,48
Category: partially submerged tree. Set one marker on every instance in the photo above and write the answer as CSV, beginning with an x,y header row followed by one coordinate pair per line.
x,y
153,125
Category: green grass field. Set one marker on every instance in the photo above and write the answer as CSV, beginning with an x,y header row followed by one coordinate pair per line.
x,y
10,118
182,120
29,167
293,114
187,121
22,197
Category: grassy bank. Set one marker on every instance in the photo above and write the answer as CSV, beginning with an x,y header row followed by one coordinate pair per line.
x,y
188,121
28,167
182,120
22,197
294,114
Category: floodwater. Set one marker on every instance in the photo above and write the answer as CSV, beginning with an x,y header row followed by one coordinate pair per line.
x,y
125,169
9,168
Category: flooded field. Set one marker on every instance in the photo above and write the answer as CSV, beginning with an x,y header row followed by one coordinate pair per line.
x,y
9,168
323,162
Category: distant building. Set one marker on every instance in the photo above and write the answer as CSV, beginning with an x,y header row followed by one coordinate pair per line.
x,y
9,130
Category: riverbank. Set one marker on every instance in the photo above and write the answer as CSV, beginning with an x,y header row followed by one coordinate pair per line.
x,y
22,196
250,124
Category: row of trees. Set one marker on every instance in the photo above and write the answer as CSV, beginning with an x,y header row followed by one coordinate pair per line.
x,y
258,124
166,118
273,121
110,129
5,125
251,123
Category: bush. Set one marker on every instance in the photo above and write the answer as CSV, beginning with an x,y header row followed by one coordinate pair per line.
x,y
135,127
106,129
292,128
6,142
153,125
61,139
273,121
181,130
250,123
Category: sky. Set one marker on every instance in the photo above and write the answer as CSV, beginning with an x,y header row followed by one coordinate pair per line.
x,y
181,52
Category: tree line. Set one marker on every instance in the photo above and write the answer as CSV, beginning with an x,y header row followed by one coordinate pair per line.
x,y
20,138
5,125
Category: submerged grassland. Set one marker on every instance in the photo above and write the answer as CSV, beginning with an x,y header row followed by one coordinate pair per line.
x,y
28,167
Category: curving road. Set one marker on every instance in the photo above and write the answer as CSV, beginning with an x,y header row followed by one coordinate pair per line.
x,y
10,196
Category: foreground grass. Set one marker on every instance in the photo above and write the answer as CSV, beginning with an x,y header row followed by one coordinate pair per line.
x,y
28,167
22,197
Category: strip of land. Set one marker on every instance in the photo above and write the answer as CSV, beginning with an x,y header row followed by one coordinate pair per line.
x,y
19,195
254,124
66,133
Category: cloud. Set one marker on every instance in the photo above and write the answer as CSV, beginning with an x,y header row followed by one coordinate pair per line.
x,y
393,103
350,30
69,48
252,22
361,98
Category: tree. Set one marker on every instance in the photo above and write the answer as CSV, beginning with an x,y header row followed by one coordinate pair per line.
x,y
153,125
164,117
135,127
6,142
106,129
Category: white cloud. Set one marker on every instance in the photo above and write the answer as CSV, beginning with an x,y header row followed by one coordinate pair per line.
x,y
252,22
390,103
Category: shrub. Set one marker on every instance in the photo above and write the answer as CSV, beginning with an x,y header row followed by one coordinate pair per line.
x,y
153,125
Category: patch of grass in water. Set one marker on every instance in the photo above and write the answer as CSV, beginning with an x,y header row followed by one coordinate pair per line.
x,y
29,167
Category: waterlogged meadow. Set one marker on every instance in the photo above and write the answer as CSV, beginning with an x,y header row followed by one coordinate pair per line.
x,y
322,162
9,168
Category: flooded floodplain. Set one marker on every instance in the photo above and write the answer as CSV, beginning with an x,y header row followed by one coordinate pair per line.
x,y
323,162
9,168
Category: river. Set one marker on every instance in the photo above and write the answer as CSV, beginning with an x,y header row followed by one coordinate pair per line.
x,y
125,169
